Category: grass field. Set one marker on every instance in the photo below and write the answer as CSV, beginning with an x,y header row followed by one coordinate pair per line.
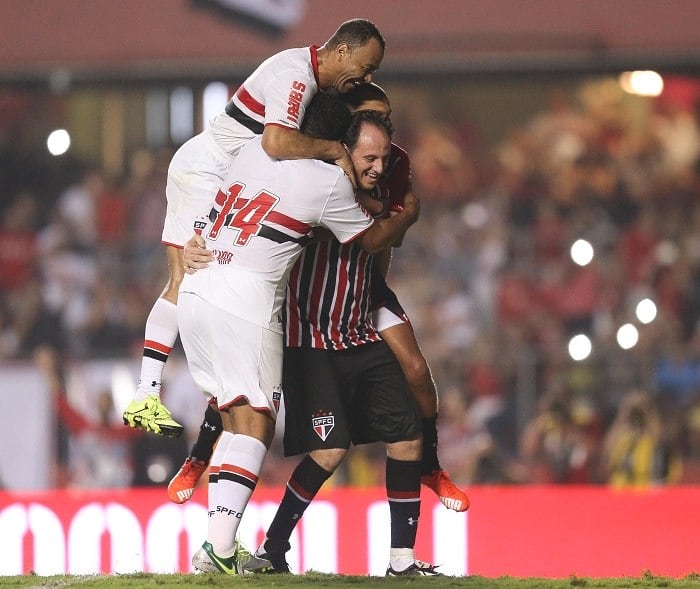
x,y
146,580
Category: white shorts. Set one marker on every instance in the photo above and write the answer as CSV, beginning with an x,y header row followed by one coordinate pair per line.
x,y
230,358
195,175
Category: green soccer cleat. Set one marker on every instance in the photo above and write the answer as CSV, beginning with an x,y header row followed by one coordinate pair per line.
x,y
250,563
205,561
151,415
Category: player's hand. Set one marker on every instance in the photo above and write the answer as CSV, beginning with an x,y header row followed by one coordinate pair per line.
x,y
195,256
411,206
346,164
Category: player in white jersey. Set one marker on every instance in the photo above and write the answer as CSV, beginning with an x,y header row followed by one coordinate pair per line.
x,y
229,313
271,103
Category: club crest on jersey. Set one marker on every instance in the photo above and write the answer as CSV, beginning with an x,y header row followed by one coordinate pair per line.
x,y
277,397
323,424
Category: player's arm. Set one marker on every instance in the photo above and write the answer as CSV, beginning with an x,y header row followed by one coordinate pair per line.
x,y
384,232
382,260
283,142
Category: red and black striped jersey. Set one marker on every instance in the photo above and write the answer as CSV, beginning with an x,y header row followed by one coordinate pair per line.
x,y
329,290
328,297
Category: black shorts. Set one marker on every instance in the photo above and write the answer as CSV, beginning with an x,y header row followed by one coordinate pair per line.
x,y
335,398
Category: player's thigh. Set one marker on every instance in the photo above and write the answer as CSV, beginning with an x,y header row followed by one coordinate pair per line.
x,y
197,341
315,413
229,357
195,175
383,408
248,359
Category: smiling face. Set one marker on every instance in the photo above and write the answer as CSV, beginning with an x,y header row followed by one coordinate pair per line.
x,y
353,67
370,155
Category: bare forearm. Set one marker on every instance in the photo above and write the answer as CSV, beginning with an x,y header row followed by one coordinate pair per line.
x,y
382,260
283,143
385,231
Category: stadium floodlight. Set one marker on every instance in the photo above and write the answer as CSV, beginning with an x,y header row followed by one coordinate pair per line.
x,y
627,336
580,347
582,252
642,83
58,142
646,310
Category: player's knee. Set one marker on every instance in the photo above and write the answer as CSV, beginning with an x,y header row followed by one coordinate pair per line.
x,y
405,450
329,459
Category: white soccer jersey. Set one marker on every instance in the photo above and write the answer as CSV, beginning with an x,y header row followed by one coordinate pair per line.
x,y
259,225
276,93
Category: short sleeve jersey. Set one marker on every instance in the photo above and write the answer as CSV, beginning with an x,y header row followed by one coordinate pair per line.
x,y
276,93
259,225
329,296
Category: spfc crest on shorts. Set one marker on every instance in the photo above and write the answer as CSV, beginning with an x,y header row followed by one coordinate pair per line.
x,y
277,398
323,425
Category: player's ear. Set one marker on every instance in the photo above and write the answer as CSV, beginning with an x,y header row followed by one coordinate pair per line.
x,y
342,50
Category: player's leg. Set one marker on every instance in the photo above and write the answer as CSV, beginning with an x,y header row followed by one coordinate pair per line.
x,y
385,410
195,174
310,389
146,411
248,395
397,331
403,478
182,485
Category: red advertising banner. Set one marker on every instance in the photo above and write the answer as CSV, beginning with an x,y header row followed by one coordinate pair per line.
x,y
517,531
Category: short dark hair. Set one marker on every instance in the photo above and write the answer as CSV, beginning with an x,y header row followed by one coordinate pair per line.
x,y
371,117
356,33
326,117
364,92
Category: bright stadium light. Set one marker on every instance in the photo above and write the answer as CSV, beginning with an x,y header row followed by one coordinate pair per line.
x,y
58,142
646,310
214,100
627,336
642,83
581,252
580,347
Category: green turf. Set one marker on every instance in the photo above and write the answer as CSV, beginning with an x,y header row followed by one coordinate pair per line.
x,y
145,580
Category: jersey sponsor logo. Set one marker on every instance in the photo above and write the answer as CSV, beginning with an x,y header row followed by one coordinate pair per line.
x,y
323,425
294,101
277,397
222,256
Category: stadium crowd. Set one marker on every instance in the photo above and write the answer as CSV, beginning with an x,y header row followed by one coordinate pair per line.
x,y
485,276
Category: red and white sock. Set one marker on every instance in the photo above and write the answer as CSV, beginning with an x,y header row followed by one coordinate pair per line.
x,y
231,483
160,335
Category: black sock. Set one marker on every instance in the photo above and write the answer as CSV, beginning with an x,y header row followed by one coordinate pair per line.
x,y
306,480
403,492
209,432
430,461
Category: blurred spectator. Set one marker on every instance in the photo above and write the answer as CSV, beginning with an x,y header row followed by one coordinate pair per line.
x,y
100,449
556,447
638,449
18,243
486,274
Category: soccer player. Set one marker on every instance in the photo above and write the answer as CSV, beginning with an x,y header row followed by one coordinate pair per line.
x,y
339,371
261,219
390,321
270,104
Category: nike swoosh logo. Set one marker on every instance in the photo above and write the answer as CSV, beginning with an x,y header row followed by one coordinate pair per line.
x,y
222,565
